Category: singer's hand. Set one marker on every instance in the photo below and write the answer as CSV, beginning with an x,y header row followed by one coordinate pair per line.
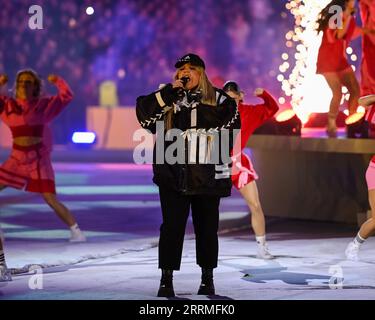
x,y
178,84
3,79
258,92
170,94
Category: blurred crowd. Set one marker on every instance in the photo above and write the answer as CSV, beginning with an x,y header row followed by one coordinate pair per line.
x,y
136,42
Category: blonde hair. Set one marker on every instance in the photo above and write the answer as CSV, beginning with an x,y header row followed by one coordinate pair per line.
x,y
206,88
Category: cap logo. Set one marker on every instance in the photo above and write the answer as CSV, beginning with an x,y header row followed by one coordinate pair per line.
x,y
193,59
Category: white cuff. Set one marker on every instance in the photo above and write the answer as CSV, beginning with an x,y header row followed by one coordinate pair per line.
x,y
160,99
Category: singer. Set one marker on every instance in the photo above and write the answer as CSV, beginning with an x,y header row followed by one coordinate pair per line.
x,y
192,105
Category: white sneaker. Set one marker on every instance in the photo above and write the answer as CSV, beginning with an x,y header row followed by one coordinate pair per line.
x,y
263,252
5,274
77,236
351,251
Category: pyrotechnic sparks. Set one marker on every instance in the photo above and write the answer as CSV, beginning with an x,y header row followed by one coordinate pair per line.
x,y
306,91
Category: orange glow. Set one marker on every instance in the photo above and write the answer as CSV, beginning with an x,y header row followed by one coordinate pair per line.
x,y
285,115
355,117
303,115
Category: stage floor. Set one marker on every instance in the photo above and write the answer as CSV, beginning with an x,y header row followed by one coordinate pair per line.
x,y
118,208
320,133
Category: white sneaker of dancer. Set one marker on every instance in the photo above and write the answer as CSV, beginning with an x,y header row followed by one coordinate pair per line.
x,y
5,274
351,251
77,236
263,252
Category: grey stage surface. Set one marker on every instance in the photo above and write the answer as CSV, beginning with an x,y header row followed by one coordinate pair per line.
x,y
117,206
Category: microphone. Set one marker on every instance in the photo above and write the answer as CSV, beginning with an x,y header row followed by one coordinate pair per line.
x,y
180,92
185,80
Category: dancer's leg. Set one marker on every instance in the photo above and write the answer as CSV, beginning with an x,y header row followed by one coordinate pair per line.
x,y
334,82
251,195
368,228
65,215
350,81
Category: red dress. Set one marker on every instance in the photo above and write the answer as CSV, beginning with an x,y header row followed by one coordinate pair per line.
x,y
368,48
252,116
30,167
332,51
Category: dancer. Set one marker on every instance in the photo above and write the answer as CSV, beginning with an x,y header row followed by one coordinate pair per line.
x,y
332,62
29,165
368,228
368,47
192,105
244,180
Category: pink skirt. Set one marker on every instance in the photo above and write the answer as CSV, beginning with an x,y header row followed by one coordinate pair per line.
x,y
370,176
243,172
29,168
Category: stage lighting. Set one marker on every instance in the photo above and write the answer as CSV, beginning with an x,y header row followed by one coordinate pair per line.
x,y
288,124
356,126
319,120
108,94
268,128
90,11
84,138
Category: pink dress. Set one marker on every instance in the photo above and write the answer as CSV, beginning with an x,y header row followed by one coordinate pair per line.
x,y
370,173
251,118
30,167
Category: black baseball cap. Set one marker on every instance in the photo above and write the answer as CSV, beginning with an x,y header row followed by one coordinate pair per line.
x,y
231,86
191,58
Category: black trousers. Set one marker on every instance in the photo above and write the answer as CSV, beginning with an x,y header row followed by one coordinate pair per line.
x,y
175,209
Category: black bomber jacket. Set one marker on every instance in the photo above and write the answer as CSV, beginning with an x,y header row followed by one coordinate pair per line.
x,y
205,133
